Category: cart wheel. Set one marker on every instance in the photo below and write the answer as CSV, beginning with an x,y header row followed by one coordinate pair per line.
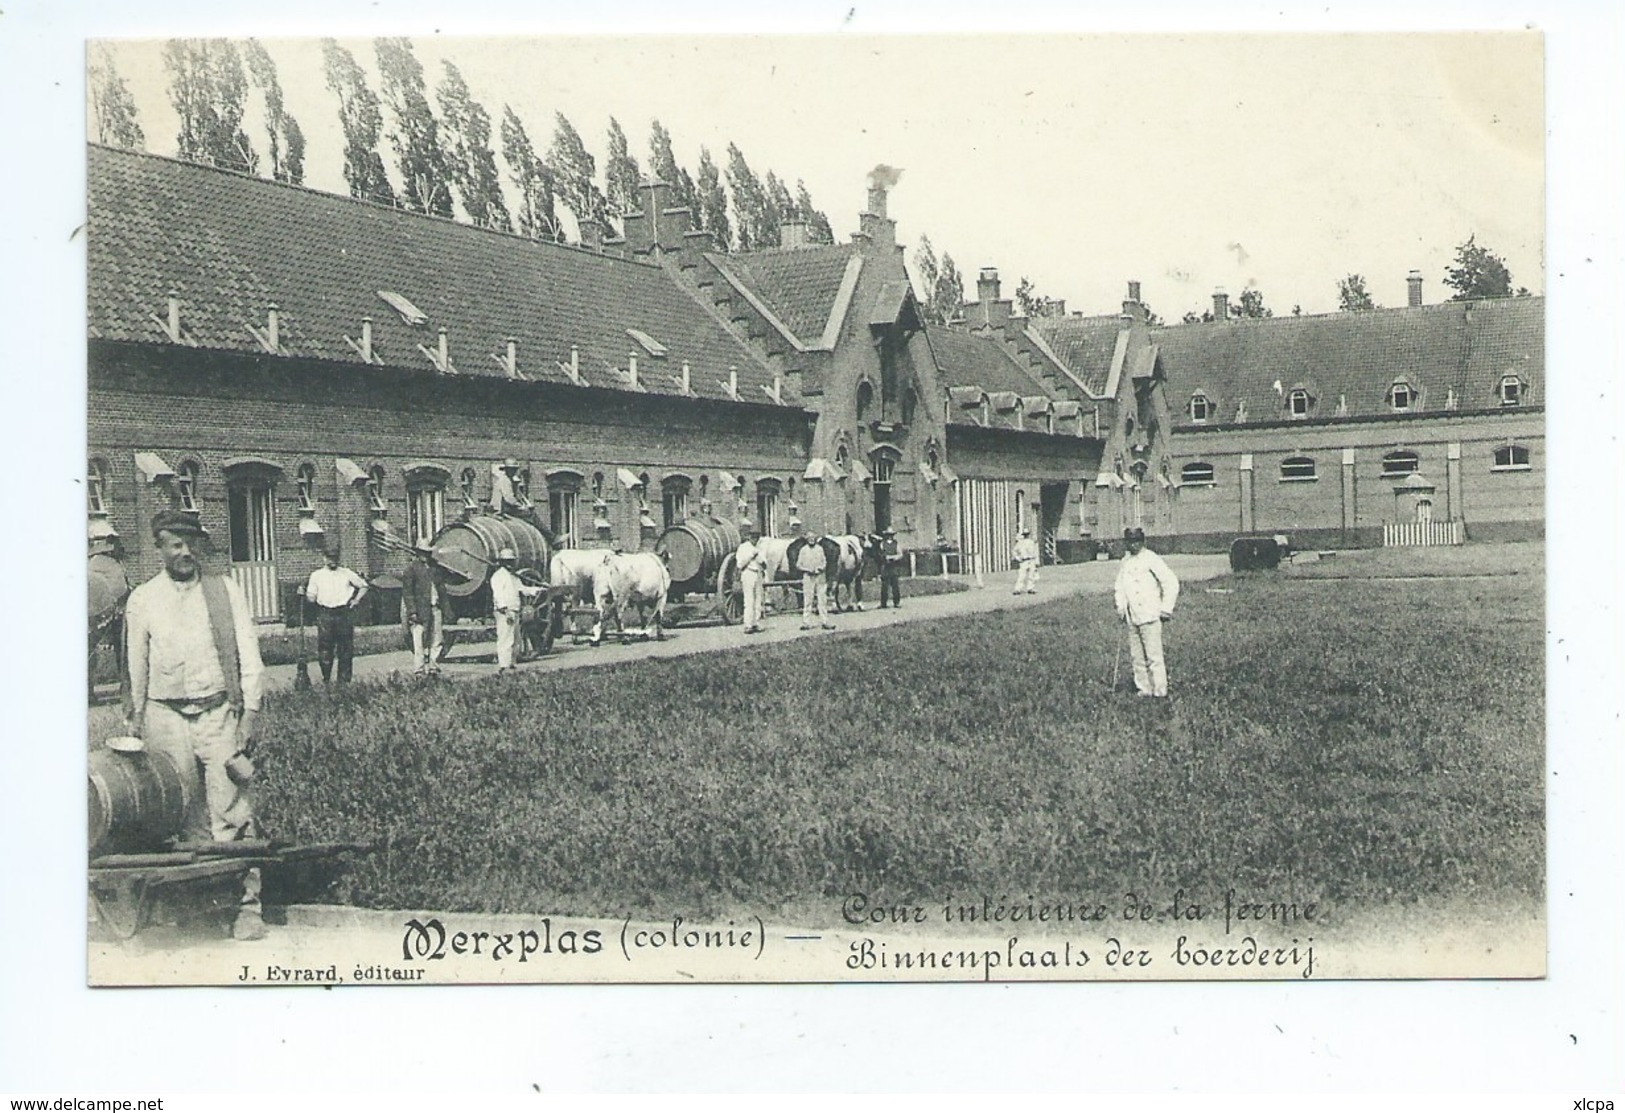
x,y
733,608
547,633
122,908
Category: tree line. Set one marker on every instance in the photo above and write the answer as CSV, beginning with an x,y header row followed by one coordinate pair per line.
x,y
443,151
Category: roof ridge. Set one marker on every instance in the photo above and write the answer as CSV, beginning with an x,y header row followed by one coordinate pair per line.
x,y
372,205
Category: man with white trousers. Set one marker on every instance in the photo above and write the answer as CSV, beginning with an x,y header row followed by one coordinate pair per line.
x,y
1146,592
752,565
1025,555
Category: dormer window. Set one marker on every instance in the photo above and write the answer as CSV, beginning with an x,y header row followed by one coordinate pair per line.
x,y
1201,409
1510,390
654,348
1401,396
410,313
1298,403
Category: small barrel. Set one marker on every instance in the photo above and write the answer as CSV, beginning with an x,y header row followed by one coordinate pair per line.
x,y
468,550
694,548
137,801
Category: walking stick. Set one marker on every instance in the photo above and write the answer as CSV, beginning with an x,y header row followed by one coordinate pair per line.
x,y
1117,663
301,676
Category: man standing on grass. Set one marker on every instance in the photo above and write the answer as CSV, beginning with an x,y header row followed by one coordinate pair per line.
x,y
1146,592
811,562
335,591
891,568
195,680
752,566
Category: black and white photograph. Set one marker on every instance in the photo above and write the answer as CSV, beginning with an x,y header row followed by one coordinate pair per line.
x,y
552,528
960,541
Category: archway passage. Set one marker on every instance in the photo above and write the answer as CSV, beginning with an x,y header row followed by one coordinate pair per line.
x,y
1052,508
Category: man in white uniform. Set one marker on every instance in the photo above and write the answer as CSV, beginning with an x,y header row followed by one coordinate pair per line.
x,y
811,562
1025,554
195,686
505,601
1146,592
752,567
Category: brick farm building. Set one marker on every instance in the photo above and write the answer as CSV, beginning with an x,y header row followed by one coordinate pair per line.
x,y
297,367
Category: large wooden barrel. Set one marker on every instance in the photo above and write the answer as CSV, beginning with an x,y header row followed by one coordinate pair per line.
x,y
137,801
468,550
694,548
108,584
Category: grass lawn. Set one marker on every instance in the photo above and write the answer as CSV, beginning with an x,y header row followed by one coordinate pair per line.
x,y
1350,743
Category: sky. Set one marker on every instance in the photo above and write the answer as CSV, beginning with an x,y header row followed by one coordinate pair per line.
x,y
1187,162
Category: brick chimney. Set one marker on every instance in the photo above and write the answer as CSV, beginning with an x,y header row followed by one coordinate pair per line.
x,y
657,224
1221,305
987,285
875,229
1131,304
793,233
1414,282
1133,290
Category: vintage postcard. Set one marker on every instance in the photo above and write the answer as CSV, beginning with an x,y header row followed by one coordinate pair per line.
x,y
816,509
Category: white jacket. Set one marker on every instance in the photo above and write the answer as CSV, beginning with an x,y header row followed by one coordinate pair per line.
x,y
1146,588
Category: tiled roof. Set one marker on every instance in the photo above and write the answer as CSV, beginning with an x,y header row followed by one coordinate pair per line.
x,y
230,245
1084,344
798,284
1457,348
964,359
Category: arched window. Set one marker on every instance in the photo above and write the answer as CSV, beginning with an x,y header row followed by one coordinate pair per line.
x,y
866,399
767,506
563,506
471,498
186,486
1400,396
909,402
1511,457
1397,464
1297,468
884,465
674,499
1510,390
597,484
1298,403
1200,408
1195,473
843,459
96,488
1021,511
375,490
305,488
425,504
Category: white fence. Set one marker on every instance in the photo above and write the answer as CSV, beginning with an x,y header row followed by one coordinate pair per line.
x,y
258,581
1423,533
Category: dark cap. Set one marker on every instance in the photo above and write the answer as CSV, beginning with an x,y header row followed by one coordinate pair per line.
x,y
1134,533
177,522
888,532
331,549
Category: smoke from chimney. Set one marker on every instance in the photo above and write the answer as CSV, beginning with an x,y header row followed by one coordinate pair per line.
x,y
884,177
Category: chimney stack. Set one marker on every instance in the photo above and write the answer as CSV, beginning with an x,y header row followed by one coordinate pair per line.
x,y
1221,305
592,236
877,201
1133,291
793,233
987,285
1414,281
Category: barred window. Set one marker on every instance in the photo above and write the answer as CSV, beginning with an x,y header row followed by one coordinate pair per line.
x,y
186,486
375,490
1297,468
1198,472
96,487
1398,464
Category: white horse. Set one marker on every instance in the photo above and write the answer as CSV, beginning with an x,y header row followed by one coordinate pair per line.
x,y
573,568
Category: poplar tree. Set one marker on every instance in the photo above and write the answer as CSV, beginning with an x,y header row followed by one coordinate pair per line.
x,y
622,174
573,174
712,202
112,105
663,166
818,229
752,217
363,123
948,292
532,179
469,158
780,208
285,140
209,91
926,272
1352,295
425,177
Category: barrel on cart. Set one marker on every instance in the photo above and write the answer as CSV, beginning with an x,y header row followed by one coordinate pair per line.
x,y
699,554
467,553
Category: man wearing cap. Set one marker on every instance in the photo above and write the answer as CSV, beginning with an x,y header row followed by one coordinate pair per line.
x,y
1025,554
1146,592
505,603
195,686
891,568
812,562
752,565
505,497
335,591
421,588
